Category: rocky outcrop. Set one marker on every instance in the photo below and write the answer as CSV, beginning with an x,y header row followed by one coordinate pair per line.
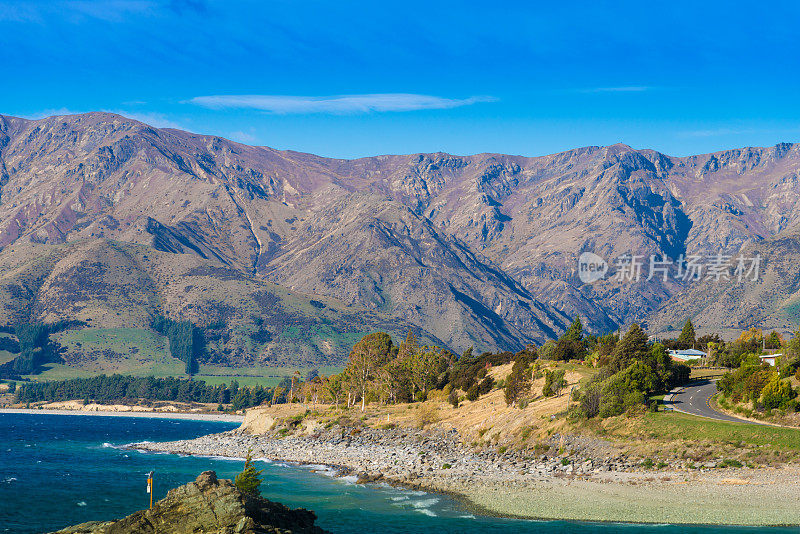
x,y
208,505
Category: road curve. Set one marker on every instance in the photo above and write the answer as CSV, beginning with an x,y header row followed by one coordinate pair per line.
x,y
694,399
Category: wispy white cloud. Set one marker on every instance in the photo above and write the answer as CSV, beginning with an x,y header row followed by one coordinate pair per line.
x,y
338,104
620,89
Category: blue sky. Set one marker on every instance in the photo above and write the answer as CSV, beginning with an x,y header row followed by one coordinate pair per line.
x,y
349,79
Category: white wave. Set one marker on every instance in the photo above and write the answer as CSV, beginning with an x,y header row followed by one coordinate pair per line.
x,y
427,512
223,458
423,506
350,479
400,498
82,503
9,480
317,467
424,503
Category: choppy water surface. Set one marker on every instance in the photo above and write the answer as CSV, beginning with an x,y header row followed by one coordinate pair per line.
x,y
59,470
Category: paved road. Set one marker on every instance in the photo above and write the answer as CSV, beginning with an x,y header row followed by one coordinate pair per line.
x,y
694,400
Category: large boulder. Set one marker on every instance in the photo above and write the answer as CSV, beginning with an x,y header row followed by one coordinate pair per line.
x,y
208,505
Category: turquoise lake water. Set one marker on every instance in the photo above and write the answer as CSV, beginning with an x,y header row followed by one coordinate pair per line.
x,y
59,470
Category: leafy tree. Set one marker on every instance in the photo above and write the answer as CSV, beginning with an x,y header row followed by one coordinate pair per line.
x,y
626,389
687,338
333,387
422,367
567,349
452,398
518,382
554,382
746,382
704,341
366,358
575,331
777,393
631,348
248,481
773,341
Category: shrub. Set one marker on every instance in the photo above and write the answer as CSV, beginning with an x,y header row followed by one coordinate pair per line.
x,y
485,386
248,481
777,393
452,398
426,415
554,382
473,393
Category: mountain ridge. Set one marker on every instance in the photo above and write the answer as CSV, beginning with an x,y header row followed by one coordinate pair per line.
x,y
477,250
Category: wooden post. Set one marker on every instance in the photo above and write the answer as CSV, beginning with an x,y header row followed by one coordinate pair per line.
x,y
150,487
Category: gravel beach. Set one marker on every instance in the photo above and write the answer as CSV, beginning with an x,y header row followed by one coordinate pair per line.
x,y
510,484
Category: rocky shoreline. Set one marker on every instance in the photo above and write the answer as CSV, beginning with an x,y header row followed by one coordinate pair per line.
x,y
517,484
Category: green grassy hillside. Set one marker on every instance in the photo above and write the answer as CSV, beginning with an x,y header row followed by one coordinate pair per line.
x,y
115,289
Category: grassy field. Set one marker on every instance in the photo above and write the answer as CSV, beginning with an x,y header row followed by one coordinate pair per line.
x,y
254,376
6,356
59,371
130,351
676,425
142,352
706,373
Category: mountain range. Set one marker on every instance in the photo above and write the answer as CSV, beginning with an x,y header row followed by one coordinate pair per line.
x,y
111,221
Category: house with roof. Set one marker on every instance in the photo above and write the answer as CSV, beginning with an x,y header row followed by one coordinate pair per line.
x,y
687,355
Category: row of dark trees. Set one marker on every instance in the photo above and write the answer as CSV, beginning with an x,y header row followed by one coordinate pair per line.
x,y
33,347
104,389
186,341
